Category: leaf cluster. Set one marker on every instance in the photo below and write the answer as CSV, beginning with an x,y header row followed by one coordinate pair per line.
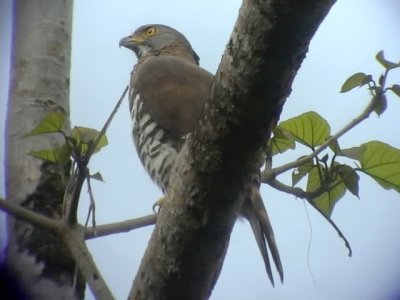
x,y
328,176
76,145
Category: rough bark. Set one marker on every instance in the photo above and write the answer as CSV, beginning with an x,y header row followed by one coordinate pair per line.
x,y
39,84
186,251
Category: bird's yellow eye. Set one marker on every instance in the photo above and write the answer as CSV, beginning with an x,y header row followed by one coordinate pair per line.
x,y
151,31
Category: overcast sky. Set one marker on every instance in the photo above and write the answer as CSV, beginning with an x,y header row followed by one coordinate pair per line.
x,y
315,260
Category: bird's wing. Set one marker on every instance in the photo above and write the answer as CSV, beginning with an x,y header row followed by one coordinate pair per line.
x,y
173,91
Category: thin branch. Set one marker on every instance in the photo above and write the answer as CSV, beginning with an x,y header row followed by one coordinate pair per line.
x,y
341,235
29,216
90,232
266,176
300,193
92,207
72,205
118,227
79,178
92,147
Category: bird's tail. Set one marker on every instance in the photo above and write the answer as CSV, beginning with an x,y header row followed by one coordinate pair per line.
x,y
254,211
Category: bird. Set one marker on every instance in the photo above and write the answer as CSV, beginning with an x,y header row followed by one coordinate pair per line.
x,y
167,94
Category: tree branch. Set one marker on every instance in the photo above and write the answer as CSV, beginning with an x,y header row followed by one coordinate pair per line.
x,y
339,232
207,186
267,175
54,226
118,227
72,200
74,239
300,193
30,216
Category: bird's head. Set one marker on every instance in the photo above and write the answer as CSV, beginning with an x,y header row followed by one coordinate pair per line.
x,y
156,39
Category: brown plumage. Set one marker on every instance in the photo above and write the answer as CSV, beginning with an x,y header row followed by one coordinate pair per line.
x,y
172,101
167,94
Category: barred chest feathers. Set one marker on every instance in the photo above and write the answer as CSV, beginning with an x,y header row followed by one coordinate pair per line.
x,y
156,153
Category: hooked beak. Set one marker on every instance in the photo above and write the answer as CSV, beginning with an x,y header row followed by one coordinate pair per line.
x,y
130,41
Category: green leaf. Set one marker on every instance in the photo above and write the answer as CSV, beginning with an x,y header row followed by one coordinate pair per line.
x,y
59,155
309,128
301,171
88,136
84,134
281,141
349,177
388,65
326,201
381,104
395,88
334,146
355,80
354,152
97,176
52,122
382,162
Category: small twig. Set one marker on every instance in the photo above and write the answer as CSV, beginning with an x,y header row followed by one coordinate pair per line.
x,y
341,235
79,178
300,193
92,207
266,176
72,209
88,216
118,227
94,145
68,192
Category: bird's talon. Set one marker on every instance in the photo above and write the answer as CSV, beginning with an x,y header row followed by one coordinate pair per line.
x,y
157,205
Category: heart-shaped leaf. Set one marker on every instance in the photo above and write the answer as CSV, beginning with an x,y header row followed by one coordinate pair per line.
x,y
382,162
309,128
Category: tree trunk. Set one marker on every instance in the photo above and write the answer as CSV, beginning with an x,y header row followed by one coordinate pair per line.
x,y
39,84
207,187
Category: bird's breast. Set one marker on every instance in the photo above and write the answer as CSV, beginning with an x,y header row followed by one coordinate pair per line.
x,y
156,152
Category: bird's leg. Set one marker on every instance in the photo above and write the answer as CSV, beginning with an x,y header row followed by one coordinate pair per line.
x,y
157,205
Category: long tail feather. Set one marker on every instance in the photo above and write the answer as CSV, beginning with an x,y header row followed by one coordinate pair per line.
x,y
254,211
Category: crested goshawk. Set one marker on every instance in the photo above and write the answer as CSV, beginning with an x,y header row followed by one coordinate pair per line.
x,y
167,94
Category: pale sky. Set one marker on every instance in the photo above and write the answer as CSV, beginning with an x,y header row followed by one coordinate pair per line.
x,y
314,258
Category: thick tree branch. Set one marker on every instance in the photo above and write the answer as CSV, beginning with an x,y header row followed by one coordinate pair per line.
x,y
207,187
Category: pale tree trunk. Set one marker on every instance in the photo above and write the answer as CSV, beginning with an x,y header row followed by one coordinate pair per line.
x,y
39,84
